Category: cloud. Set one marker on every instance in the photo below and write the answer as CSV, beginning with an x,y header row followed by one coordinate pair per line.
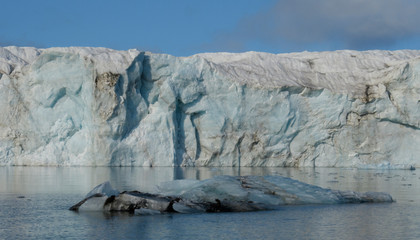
x,y
350,24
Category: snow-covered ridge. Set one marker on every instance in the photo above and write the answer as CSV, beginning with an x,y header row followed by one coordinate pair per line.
x,y
15,58
341,71
98,106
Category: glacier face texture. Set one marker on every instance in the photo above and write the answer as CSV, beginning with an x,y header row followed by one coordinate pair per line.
x,y
102,107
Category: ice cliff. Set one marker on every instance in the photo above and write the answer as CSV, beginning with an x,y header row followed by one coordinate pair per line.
x,y
100,107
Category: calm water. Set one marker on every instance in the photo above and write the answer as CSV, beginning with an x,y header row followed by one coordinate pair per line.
x,y
34,203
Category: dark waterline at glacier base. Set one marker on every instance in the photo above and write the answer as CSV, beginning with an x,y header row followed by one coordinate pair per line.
x,y
34,203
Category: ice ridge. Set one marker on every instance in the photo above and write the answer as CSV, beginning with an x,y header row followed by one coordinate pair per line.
x,y
222,194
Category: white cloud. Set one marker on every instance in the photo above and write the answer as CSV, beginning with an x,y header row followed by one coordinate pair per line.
x,y
354,24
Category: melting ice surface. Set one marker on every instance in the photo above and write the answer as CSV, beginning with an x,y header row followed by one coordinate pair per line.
x,y
221,194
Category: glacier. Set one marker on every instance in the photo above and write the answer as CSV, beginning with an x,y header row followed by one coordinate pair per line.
x,y
220,194
82,106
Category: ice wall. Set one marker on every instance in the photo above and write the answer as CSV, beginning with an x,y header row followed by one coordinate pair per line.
x,y
100,107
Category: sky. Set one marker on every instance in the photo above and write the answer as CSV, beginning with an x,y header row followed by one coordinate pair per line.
x,y
187,27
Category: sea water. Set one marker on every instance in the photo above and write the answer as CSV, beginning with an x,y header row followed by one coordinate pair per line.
x,y
34,204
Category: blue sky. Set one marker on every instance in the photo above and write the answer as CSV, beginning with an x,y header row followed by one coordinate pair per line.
x,y
186,27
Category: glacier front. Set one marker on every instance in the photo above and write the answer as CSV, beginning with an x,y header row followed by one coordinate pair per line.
x,y
102,107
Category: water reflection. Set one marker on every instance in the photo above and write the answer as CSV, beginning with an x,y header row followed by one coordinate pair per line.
x,y
49,191
80,180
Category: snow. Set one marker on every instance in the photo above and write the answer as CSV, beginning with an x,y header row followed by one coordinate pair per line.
x,y
226,193
103,107
340,71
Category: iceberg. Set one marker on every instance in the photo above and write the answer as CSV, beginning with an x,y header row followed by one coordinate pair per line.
x,y
222,194
101,107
